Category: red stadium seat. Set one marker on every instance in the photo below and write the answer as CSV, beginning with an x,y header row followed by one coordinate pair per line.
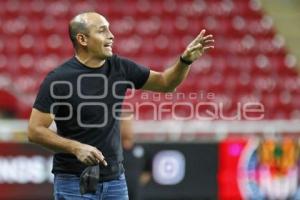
x,y
250,59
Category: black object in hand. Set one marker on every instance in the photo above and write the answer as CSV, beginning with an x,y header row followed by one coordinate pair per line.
x,y
89,179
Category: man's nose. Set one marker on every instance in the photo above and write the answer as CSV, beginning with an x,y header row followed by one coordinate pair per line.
x,y
111,36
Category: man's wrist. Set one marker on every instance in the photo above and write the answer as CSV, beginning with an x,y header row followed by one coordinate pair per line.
x,y
74,147
184,61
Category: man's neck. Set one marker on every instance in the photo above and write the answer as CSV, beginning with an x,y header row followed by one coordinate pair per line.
x,y
89,61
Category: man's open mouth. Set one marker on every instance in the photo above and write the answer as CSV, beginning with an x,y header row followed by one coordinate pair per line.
x,y
108,45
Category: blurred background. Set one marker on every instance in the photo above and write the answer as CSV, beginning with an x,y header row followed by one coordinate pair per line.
x,y
233,132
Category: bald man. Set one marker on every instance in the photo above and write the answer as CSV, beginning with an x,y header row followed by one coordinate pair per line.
x,y
84,95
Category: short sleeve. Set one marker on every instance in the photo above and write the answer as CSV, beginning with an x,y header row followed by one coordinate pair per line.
x,y
135,73
44,100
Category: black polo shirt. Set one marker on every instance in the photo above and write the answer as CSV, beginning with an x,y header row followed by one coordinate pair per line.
x,y
84,101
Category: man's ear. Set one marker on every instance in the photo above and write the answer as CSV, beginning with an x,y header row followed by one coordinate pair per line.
x,y
81,39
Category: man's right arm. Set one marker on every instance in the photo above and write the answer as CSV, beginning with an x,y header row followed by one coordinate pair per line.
x,y
39,133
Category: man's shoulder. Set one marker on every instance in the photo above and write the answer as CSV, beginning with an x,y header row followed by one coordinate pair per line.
x,y
119,58
117,62
114,59
61,69
122,62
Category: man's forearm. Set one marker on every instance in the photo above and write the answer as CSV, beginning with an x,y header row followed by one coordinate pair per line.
x,y
49,139
175,74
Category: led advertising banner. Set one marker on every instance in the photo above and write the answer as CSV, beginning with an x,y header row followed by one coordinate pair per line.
x,y
181,171
25,172
177,171
259,169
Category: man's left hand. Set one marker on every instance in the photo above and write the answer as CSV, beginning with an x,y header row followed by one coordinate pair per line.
x,y
198,46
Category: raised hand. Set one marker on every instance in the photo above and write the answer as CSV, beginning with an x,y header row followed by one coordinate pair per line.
x,y
198,47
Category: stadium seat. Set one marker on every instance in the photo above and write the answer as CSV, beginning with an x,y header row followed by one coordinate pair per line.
x,y
249,61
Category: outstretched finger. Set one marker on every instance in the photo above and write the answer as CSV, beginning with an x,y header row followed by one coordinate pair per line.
x,y
200,36
208,47
208,37
208,41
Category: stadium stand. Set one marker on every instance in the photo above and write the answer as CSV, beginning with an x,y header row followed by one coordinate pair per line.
x,y
250,61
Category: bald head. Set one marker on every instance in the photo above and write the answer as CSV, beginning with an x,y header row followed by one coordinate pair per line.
x,y
82,23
